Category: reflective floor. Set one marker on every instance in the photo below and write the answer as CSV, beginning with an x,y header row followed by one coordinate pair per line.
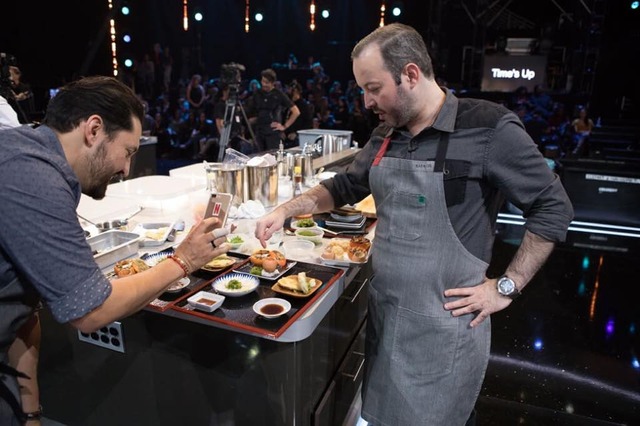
x,y
567,351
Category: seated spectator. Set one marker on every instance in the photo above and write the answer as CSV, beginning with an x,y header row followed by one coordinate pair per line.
x,y
582,127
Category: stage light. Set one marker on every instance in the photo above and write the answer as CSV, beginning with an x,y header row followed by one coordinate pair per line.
x,y
128,62
125,10
325,13
635,5
258,17
396,11
538,345
198,16
126,38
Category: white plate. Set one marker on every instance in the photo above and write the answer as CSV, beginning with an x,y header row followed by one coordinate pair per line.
x,y
249,284
206,301
155,258
178,285
267,276
344,261
283,306
153,234
294,225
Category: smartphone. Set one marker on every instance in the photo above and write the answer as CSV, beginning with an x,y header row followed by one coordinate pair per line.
x,y
218,206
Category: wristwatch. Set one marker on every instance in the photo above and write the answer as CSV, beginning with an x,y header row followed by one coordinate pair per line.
x,y
506,287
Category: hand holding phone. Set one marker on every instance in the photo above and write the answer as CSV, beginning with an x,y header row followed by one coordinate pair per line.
x,y
218,206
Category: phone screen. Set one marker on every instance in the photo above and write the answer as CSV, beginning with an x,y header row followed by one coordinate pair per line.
x,y
218,206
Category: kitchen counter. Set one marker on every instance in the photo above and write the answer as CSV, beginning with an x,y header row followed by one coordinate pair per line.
x,y
168,366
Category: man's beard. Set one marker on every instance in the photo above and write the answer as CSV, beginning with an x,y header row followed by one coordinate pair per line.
x,y
402,113
99,176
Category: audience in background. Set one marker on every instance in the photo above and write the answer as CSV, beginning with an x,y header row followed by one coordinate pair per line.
x,y
338,107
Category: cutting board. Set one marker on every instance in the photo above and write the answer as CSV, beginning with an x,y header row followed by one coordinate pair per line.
x,y
367,206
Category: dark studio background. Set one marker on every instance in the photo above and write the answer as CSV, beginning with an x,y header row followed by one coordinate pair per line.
x,y
55,42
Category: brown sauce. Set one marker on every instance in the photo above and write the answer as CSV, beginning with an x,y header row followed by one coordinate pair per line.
x,y
204,301
272,309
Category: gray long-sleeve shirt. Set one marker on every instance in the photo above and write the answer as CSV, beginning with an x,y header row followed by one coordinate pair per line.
x,y
490,158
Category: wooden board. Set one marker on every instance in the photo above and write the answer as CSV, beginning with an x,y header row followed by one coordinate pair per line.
x,y
282,290
367,206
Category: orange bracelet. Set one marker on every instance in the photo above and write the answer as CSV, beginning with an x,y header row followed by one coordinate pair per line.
x,y
181,263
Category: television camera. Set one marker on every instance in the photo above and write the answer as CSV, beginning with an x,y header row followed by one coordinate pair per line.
x,y
230,76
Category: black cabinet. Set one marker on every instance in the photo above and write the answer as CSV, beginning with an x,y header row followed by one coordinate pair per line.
x,y
174,371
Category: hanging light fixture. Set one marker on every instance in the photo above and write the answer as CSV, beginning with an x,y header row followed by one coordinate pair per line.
x,y
185,15
246,16
312,12
382,11
112,35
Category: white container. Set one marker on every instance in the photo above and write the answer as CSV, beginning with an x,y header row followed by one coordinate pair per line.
x,y
196,173
298,249
159,194
108,208
206,301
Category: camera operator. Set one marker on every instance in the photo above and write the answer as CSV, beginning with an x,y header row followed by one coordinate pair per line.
x,y
8,116
304,120
8,113
267,109
15,92
22,94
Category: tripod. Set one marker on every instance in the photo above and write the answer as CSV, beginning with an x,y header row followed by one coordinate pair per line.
x,y
229,116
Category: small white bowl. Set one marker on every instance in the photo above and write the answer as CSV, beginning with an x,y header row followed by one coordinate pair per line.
x,y
235,246
271,307
206,301
295,224
310,234
298,248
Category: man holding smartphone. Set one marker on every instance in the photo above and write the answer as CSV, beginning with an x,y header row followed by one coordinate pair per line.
x,y
90,132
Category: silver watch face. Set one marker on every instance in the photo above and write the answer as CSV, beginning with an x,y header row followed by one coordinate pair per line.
x,y
506,286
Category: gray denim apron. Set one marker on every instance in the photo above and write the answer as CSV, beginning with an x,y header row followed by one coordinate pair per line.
x,y
423,366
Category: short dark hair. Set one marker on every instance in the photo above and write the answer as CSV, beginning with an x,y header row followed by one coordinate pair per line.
x,y
105,96
399,45
269,74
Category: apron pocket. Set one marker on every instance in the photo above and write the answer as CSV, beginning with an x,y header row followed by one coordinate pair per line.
x,y
455,178
423,347
408,215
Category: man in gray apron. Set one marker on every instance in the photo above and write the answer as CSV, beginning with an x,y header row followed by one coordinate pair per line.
x,y
439,169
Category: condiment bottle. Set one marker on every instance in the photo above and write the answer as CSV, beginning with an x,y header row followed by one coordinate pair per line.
x,y
297,181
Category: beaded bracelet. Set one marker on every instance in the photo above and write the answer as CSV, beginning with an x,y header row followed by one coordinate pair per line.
x,y
34,415
183,265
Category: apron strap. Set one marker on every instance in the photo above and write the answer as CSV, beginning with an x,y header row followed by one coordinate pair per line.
x,y
8,396
381,151
441,153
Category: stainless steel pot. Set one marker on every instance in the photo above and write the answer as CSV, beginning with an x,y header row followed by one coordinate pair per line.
x,y
329,143
262,184
230,178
